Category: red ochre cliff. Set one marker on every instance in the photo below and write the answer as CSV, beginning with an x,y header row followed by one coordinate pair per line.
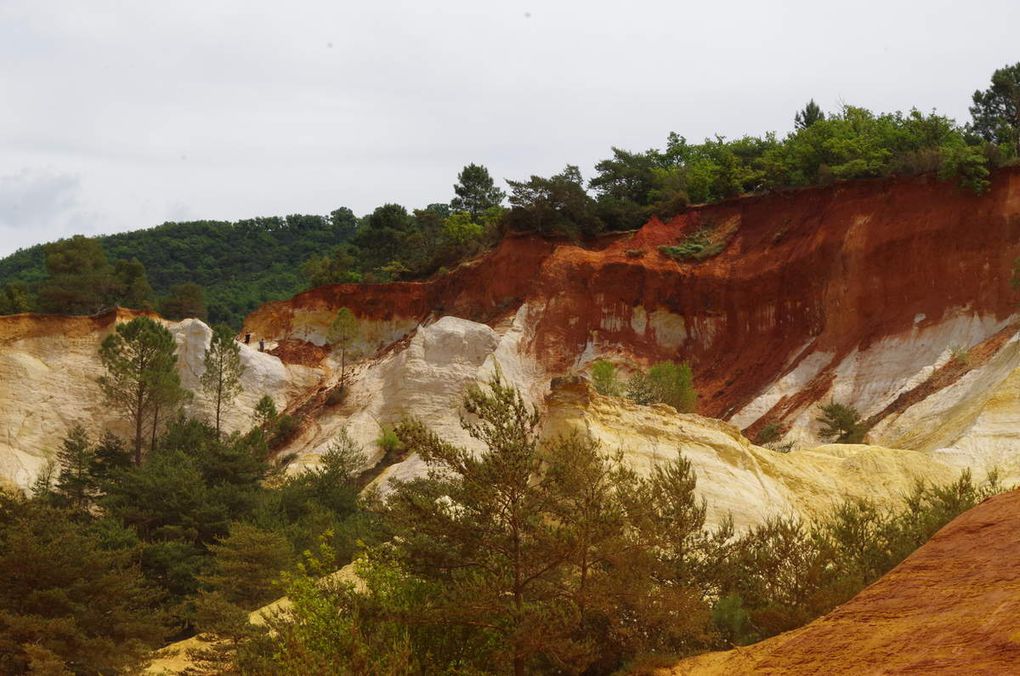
x,y
817,270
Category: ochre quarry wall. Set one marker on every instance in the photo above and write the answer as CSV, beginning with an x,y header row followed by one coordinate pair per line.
x,y
49,370
825,270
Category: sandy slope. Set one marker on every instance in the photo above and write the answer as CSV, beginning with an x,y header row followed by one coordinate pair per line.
x,y
952,607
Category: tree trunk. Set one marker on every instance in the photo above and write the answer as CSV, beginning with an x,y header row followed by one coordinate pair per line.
x,y
219,400
343,369
138,437
518,598
155,425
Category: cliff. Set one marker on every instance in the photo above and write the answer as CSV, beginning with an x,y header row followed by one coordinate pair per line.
x,y
813,286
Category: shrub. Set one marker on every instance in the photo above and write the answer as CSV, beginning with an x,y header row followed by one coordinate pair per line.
x,y
770,433
388,441
665,383
841,424
286,428
604,378
695,247
959,355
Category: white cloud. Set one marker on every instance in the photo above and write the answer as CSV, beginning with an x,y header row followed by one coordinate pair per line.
x,y
34,203
253,107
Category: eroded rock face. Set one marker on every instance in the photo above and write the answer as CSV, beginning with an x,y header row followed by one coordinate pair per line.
x,y
737,478
49,368
847,292
426,378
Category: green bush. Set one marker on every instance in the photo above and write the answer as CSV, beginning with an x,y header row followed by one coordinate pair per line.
x,y
604,378
664,383
388,441
286,427
841,424
770,433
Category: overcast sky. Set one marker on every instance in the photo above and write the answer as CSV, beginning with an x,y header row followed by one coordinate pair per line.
x,y
122,115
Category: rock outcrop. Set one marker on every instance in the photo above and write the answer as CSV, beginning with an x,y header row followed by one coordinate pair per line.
x,y
735,477
49,368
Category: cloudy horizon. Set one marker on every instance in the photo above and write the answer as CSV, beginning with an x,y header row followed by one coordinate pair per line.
x,y
124,115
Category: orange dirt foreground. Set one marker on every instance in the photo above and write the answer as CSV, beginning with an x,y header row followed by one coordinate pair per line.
x,y
953,607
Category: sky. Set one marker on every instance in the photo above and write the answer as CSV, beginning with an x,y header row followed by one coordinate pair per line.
x,y
123,115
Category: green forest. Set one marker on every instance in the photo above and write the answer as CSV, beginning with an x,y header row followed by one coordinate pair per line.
x,y
222,271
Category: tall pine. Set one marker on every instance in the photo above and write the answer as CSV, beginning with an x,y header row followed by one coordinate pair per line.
x,y
223,369
141,372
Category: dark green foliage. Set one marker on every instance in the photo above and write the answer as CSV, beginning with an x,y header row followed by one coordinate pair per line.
x,y
221,379
841,424
239,265
807,117
851,143
68,598
475,191
558,205
996,111
76,484
194,536
132,286
80,279
527,557
246,565
338,267
383,235
15,297
109,457
770,433
140,358
184,300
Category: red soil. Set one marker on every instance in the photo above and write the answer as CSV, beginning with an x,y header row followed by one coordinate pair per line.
x,y
951,607
839,267
28,325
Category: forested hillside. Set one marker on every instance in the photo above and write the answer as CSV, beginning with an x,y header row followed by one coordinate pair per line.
x,y
240,264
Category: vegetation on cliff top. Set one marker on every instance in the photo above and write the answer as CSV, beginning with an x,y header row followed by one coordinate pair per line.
x,y
241,265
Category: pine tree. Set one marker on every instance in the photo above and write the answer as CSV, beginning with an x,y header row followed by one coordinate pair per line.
x,y
807,117
476,191
223,369
246,565
140,358
343,333
79,601
76,484
110,456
